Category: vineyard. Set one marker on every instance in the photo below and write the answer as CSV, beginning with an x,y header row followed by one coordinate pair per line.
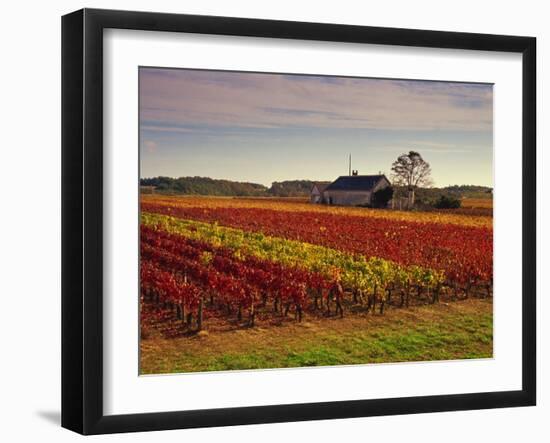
x,y
248,262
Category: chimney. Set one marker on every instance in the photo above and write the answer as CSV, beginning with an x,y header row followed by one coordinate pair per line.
x,y
355,172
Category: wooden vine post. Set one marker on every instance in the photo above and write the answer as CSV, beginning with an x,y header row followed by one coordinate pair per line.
x,y
200,314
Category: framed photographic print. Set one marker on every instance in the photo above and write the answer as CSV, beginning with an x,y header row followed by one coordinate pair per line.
x,y
269,221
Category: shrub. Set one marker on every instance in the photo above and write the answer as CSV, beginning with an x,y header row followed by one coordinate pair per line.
x,y
445,202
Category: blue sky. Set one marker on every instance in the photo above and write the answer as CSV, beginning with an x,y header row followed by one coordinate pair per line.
x,y
271,127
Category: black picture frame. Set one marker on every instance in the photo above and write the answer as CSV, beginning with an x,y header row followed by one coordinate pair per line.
x,y
82,219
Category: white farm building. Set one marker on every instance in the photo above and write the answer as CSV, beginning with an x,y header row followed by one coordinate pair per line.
x,y
316,195
349,190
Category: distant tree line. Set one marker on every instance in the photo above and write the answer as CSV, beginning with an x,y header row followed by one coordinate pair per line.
x,y
469,191
444,198
291,188
302,188
210,186
204,186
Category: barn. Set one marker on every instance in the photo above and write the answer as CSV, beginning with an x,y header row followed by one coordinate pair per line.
x,y
317,190
353,190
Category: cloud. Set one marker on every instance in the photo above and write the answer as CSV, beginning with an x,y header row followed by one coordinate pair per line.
x,y
156,128
420,147
150,146
433,145
172,99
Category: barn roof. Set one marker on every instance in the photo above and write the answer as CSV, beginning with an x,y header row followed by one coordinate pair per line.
x,y
355,183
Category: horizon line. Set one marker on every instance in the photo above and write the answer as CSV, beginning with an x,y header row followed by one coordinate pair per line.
x,y
301,179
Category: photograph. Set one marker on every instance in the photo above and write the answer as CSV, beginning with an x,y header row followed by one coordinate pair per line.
x,y
295,220
240,222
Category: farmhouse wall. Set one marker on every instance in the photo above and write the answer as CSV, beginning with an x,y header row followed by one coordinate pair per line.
x,y
315,198
348,198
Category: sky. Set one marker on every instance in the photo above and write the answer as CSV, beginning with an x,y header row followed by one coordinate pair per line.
x,y
261,128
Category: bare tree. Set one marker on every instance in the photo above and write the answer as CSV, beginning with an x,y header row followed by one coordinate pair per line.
x,y
411,171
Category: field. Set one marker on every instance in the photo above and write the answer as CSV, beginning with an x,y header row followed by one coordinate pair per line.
x,y
475,207
235,283
477,203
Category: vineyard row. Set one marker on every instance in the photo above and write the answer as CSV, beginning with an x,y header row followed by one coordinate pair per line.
x,y
182,272
463,253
